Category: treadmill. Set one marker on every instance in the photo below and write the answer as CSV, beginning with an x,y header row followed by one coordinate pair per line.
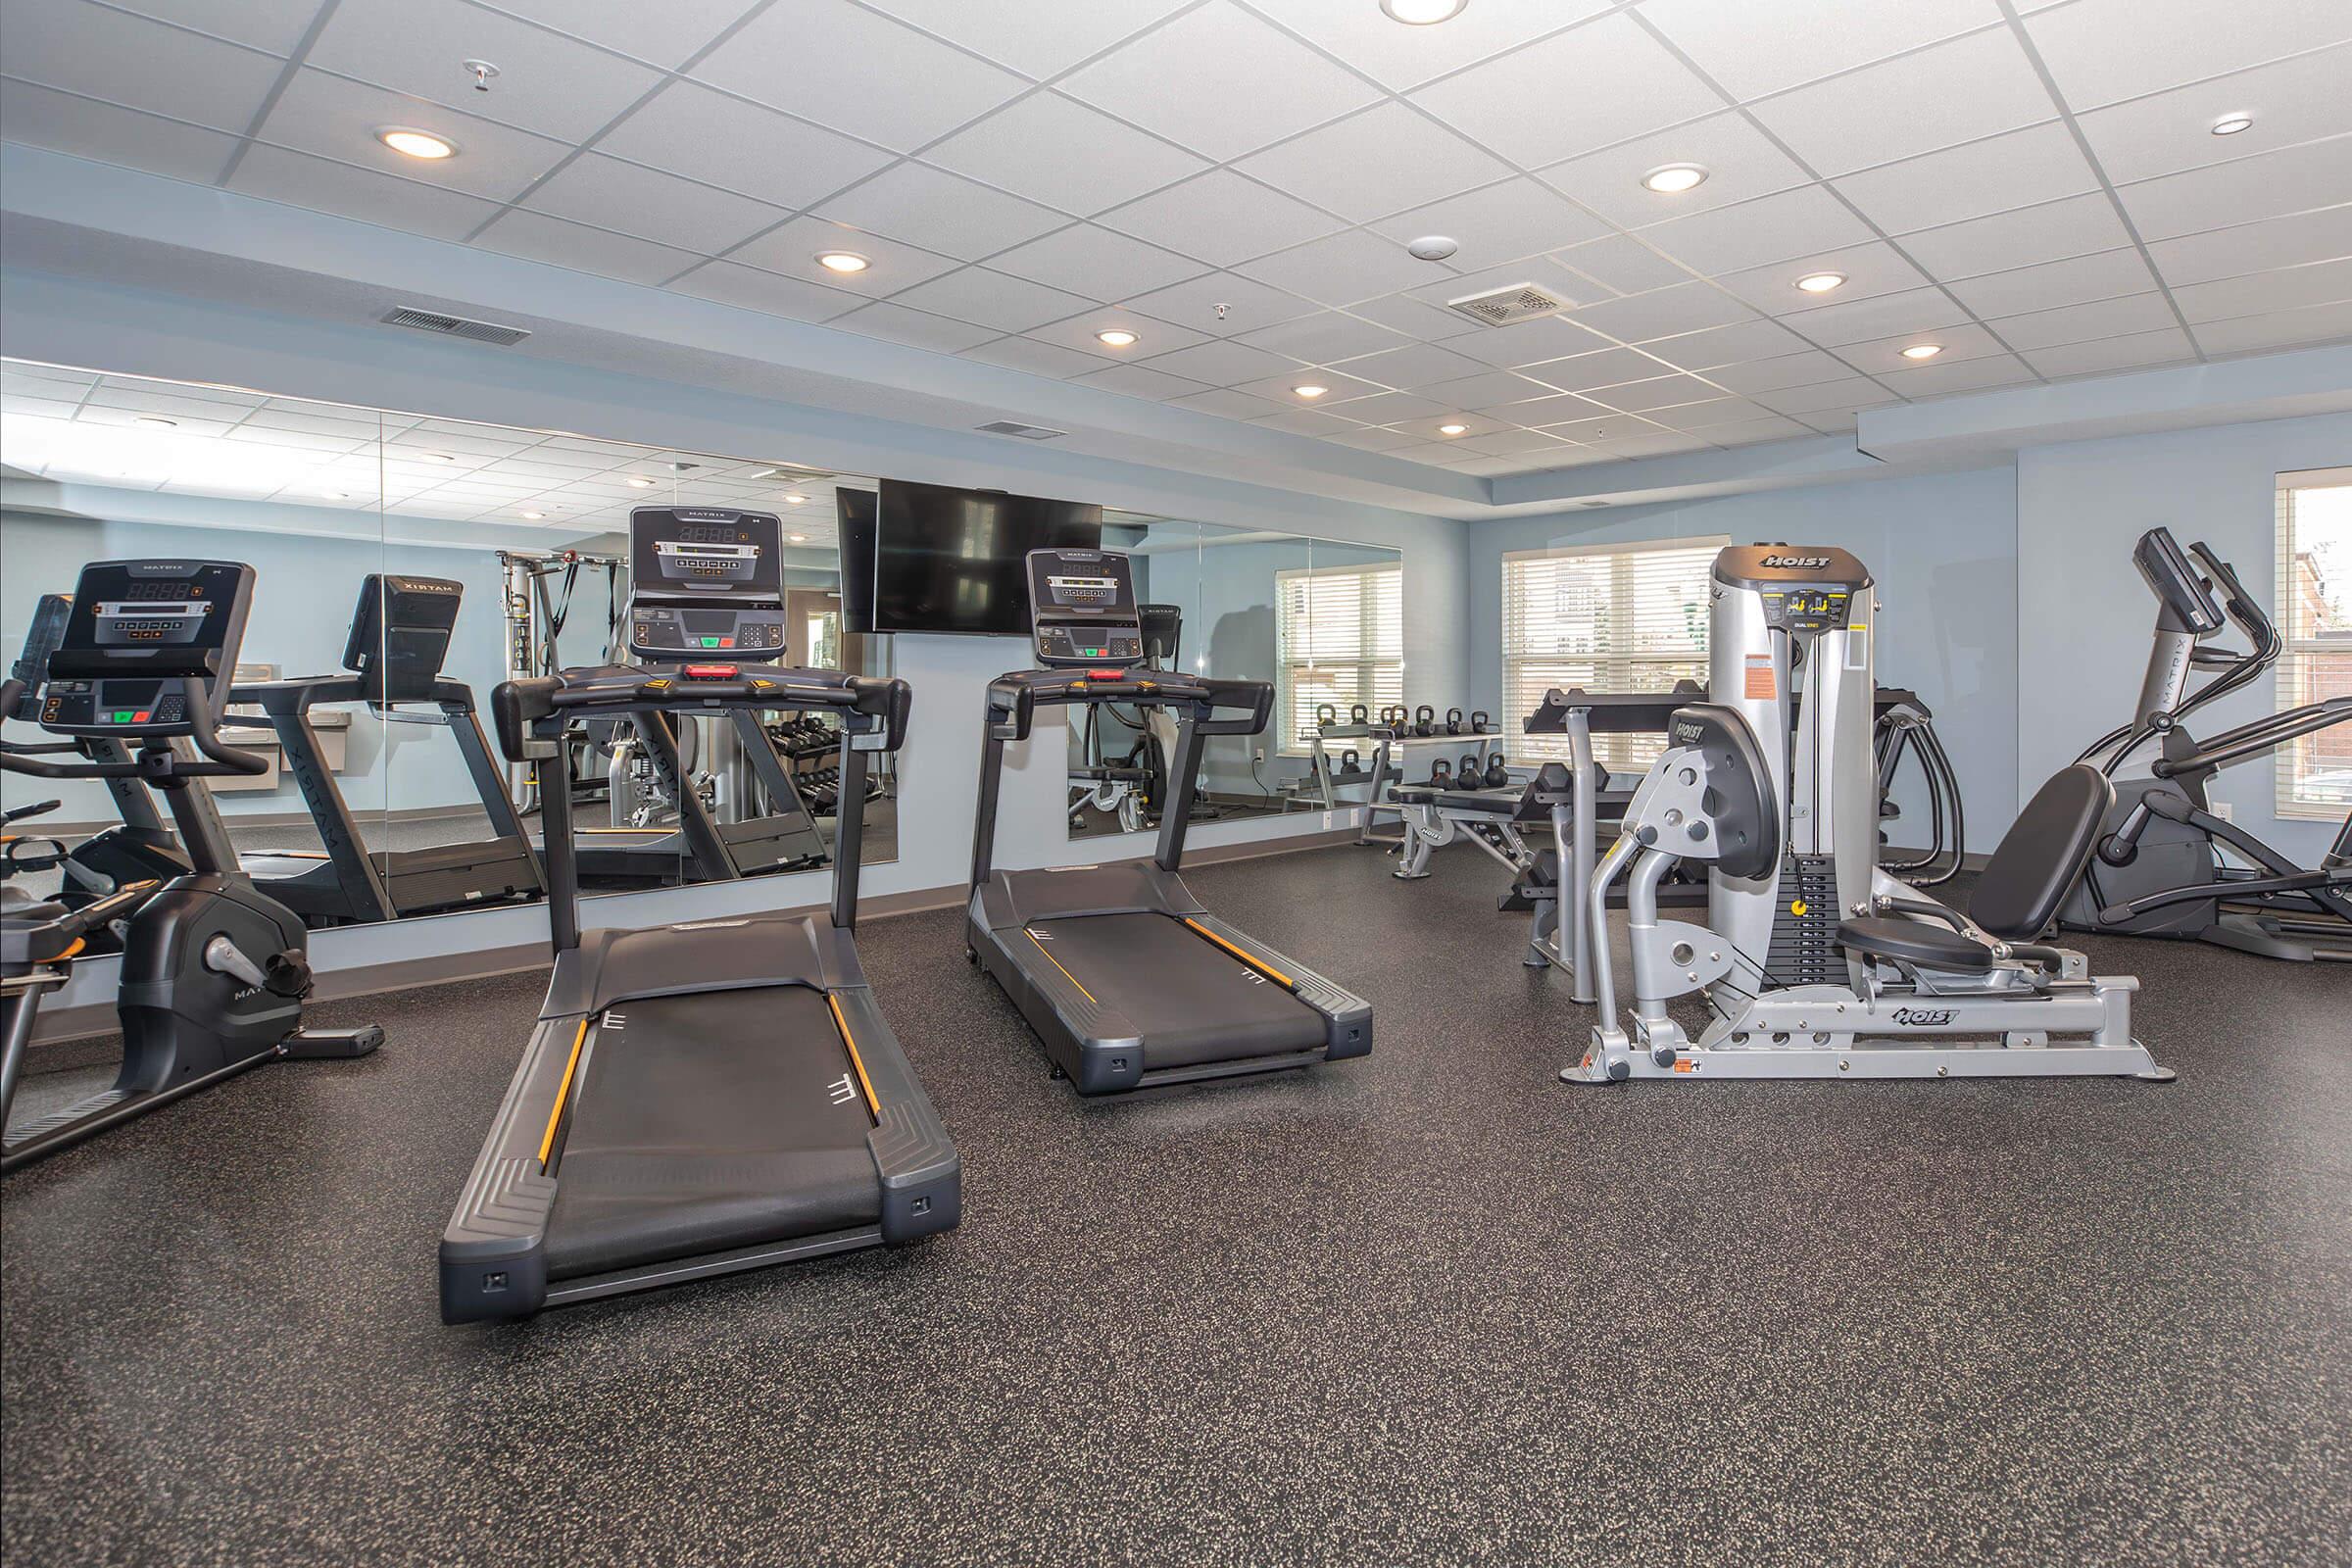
x,y
1127,980
399,640
703,1098
695,574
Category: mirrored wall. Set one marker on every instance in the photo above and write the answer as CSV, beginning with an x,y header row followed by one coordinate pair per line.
x,y
368,697
1322,621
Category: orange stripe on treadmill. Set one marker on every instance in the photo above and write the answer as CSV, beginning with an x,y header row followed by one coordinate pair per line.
x,y
873,1106
1056,964
547,1144
1252,962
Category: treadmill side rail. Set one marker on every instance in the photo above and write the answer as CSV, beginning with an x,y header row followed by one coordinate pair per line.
x,y
921,1174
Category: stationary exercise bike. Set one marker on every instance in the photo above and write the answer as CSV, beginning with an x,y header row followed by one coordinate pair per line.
x,y
213,972
2160,870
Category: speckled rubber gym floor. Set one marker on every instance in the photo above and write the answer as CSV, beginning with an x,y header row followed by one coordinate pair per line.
x,y
1429,1308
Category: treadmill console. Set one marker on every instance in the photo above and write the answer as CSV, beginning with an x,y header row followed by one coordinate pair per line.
x,y
400,635
705,580
136,631
1081,609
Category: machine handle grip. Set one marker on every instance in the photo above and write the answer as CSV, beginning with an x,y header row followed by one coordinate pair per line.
x,y
1257,696
2240,604
206,736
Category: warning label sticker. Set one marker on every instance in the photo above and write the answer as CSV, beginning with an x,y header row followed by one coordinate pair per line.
x,y
1760,687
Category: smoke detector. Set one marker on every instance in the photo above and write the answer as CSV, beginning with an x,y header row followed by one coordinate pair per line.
x,y
1503,306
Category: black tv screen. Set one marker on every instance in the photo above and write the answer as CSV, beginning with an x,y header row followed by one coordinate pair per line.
x,y
955,561
856,508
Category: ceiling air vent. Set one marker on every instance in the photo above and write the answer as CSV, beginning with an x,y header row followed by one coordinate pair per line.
x,y
453,326
1501,307
1027,432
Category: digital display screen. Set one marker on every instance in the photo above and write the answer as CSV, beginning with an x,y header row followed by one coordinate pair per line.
x,y
736,551
157,592
1083,590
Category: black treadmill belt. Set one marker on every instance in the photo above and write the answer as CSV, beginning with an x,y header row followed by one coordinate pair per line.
x,y
708,1121
1195,1002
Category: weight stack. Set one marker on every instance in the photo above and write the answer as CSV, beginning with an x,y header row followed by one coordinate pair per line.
x,y
1804,949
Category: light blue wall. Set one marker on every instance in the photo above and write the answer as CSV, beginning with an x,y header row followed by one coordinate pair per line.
x,y
2084,616
1943,549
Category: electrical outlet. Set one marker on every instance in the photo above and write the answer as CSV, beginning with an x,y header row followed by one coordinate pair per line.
x,y
2225,810
1261,754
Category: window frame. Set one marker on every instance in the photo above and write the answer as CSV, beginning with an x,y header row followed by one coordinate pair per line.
x,y
1620,754
2289,679
1285,666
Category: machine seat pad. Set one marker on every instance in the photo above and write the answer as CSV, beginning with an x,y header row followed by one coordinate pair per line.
x,y
2043,856
1920,942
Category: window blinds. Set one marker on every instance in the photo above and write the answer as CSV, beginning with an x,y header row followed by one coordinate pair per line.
x,y
2314,612
1340,639
1624,619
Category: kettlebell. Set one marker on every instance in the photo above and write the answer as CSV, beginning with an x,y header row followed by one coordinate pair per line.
x,y
1325,715
1499,772
1425,720
1359,714
1454,721
1351,760
1441,774
1480,724
1469,772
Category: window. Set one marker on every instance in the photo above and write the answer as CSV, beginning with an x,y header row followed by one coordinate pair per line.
x,y
1622,618
1340,639
2315,617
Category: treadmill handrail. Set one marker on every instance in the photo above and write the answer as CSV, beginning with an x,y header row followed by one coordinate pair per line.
x,y
156,761
519,706
1015,697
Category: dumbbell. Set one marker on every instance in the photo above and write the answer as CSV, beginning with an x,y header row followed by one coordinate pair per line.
x,y
1499,772
1359,714
1454,721
1480,724
1327,714
1425,720
1441,774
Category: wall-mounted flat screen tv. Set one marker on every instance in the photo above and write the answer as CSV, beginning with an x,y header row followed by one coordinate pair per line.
x,y
955,561
856,509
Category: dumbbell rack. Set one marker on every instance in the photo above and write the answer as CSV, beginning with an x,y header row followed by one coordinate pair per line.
x,y
1393,741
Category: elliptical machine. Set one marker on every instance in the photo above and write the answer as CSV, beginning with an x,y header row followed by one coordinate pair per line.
x,y
2160,870
213,972
1816,962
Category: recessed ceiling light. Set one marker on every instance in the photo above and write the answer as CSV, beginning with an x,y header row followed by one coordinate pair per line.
x,y
158,420
1821,282
1310,390
2231,125
412,143
798,538
533,516
841,262
641,484
1116,337
1453,429
795,501
1423,13
1672,179
1922,351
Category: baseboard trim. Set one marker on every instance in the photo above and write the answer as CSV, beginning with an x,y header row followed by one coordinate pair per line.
x,y
65,1025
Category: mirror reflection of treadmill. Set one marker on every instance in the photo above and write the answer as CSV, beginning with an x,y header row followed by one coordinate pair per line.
x,y
704,582
392,662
